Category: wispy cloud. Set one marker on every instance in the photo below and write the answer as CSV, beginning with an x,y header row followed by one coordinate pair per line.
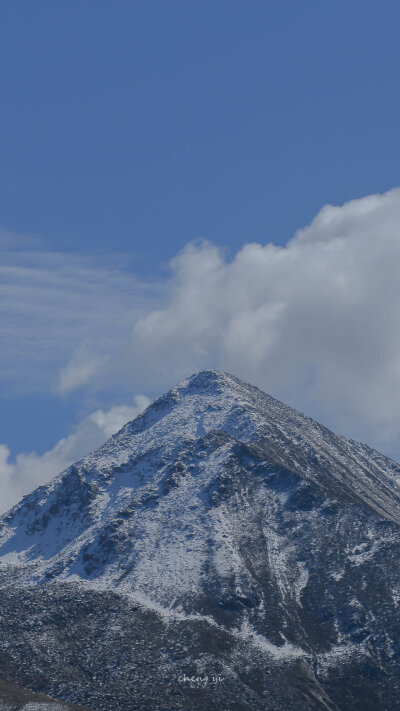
x,y
56,306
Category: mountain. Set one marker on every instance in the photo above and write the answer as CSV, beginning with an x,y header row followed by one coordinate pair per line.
x,y
221,551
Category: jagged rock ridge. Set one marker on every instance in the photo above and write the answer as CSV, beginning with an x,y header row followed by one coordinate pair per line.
x,y
219,533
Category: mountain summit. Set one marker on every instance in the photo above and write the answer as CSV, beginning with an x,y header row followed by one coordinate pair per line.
x,y
221,551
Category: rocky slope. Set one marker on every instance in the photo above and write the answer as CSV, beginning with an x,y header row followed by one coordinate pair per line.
x,y
222,550
15,698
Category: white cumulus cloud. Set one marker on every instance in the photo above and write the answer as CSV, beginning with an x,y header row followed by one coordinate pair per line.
x,y
315,323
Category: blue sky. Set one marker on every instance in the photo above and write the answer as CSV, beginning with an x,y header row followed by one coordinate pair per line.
x,y
141,125
130,129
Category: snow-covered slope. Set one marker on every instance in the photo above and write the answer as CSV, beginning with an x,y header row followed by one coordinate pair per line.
x,y
220,512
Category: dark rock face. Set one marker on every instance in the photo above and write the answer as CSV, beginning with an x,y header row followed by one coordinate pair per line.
x,y
221,551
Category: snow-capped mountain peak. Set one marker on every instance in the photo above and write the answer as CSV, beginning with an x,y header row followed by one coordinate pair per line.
x,y
221,504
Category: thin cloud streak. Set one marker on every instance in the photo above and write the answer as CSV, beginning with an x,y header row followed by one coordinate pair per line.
x,y
53,303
